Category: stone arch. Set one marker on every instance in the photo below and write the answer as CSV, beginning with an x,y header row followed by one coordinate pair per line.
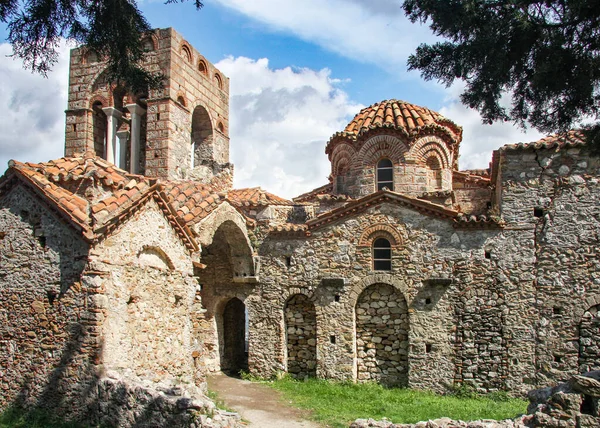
x,y
226,224
380,231
431,145
380,146
482,348
300,319
153,256
589,340
202,136
375,278
233,339
382,327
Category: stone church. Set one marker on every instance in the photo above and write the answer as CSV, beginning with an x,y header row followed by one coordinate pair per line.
x,y
133,257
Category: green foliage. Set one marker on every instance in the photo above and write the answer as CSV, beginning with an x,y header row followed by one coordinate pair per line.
x,y
17,418
339,403
545,54
111,28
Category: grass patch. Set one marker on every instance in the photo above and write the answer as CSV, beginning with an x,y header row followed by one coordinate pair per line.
x,y
338,404
18,418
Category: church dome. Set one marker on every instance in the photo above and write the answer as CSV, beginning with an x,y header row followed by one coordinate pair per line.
x,y
399,116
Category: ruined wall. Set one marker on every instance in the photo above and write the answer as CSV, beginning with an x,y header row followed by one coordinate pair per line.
x,y
553,198
150,300
48,324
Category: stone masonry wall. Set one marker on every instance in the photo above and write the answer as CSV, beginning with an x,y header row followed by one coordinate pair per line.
x,y
589,340
552,199
430,266
48,333
150,293
301,332
382,336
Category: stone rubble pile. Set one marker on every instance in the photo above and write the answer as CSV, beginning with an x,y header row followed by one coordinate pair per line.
x,y
124,403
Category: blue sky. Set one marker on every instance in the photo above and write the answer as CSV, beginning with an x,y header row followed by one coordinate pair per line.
x,y
299,72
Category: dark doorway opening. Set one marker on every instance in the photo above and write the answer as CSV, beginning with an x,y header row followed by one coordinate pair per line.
x,y
234,352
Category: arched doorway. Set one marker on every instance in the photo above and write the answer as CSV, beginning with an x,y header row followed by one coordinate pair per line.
x,y
301,337
382,336
234,351
589,340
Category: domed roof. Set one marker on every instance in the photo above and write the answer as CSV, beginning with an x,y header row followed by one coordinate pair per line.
x,y
399,115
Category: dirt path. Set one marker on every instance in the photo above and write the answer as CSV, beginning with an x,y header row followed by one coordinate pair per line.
x,y
262,406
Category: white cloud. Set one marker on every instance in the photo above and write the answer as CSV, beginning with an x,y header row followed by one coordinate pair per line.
x,y
480,140
373,31
32,119
280,122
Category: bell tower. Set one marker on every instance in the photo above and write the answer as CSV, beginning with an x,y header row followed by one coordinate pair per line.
x,y
179,131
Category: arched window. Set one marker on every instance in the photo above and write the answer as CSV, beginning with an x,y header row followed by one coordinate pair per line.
x,y
202,68
434,173
219,80
385,174
186,53
382,254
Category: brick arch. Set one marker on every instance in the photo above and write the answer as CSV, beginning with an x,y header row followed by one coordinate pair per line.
x,y
150,39
181,99
381,146
380,231
98,99
343,151
431,146
186,52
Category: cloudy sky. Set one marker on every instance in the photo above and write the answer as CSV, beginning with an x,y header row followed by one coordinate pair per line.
x,y
299,72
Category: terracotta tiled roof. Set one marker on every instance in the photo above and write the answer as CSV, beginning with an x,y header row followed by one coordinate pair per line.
x,y
53,181
471,177
408,118
571,138
255,197
84,166
423,206
191,200
72,208
310,196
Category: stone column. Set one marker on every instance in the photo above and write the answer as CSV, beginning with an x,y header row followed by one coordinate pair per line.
x,y
112,118
136,117
122,136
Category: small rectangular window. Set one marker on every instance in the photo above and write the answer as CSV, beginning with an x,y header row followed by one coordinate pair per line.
x,y
332,339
